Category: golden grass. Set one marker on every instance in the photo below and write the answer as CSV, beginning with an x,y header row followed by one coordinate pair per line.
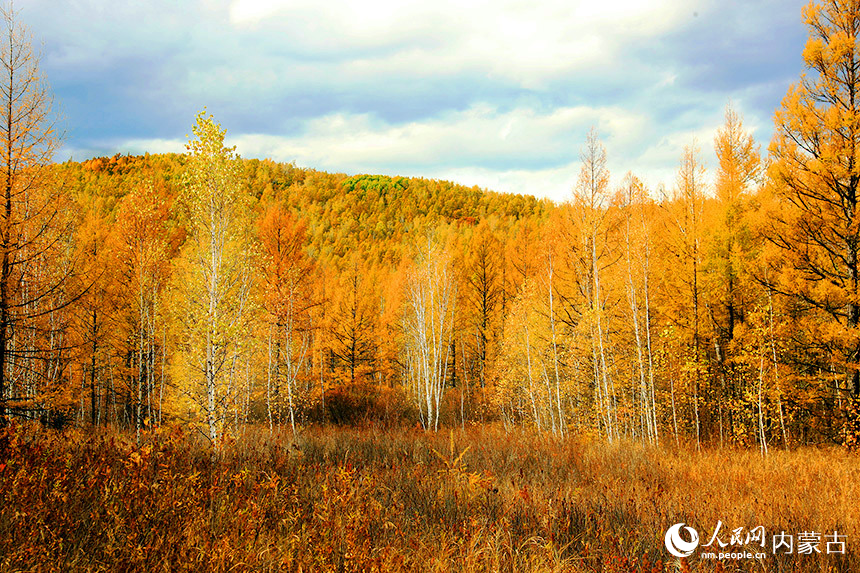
x,y
402,500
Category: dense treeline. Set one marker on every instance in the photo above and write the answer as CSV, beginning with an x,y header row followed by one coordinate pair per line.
x,y
217,291
625,312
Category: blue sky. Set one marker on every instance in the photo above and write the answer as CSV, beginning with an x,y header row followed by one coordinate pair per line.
x,y
499,94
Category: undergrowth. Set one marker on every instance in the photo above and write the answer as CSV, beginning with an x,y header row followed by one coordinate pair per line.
x,y
404,500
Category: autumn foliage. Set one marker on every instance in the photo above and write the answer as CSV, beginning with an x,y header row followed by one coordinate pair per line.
x,y
482,499
258,366
616,314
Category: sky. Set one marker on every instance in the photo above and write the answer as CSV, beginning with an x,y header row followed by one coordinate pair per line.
x,y
498,93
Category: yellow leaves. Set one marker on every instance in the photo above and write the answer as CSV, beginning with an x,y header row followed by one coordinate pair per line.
x,y
815,170
813,52
214,279
210,138
138,457
455,475
738,157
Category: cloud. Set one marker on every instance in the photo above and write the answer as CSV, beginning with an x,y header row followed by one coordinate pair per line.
x,y
523,43
482,137
496,92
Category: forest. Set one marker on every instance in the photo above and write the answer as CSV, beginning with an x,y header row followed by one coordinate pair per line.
x,y
208,290
193,309
212,291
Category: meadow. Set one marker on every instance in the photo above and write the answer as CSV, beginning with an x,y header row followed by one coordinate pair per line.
x,y
473,499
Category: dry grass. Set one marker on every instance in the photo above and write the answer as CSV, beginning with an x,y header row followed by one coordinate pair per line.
x,y
357,500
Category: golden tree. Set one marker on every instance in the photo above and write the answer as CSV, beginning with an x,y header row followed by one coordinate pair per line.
x,y
353,330
816,173
634,205
727,291
34,228
287,299
483,293
590,221
214,278
94,312
141,244
683,303
737,173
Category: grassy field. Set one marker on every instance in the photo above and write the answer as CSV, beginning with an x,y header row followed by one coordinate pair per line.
x,y
402,500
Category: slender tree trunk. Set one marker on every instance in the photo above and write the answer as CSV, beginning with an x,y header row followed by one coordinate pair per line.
x,y
93,374
269,386
531,379
674,411
322,383
776,369
761,433
561,423
6,264
634,310
653,396
608,395
696,349
161,378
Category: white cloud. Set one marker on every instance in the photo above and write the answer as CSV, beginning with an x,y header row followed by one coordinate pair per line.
x,y
524,42
522,150
141,146
498,93
553,183
481,136
517,151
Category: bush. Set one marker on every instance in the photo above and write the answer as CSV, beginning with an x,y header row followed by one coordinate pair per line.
x,y
364,404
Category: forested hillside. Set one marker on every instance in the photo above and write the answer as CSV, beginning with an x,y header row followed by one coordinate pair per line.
x,y
215,291
649,313
211,362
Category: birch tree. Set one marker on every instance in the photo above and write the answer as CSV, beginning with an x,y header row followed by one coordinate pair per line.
x,y
550,289
686,213
429,331
590,199
637,251
215,280
141,242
